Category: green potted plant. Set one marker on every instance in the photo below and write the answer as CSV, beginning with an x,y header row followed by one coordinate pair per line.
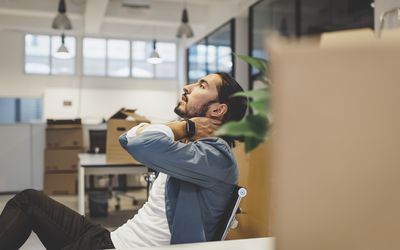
x,y
253,128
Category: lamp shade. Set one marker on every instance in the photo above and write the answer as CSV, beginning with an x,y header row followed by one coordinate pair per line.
x,y
154,57
61,21
184,28
62,51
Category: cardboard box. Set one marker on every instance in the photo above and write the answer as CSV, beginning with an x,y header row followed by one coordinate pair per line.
x,y
60,183
118,124
64,136
62,159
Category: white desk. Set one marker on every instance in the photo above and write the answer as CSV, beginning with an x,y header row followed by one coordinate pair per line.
x,y
96,164
267,243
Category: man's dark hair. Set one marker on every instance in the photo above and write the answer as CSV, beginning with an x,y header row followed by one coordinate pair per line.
x,y
237,105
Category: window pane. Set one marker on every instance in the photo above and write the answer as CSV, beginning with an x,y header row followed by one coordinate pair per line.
x,y
13,110
212,58
219,50
63,64
197,61
94,57
140,67
224,59
118,58
7,110
31,109
167,51
37,54
166,69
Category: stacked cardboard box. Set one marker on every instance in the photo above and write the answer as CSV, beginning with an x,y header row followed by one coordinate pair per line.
x,y
64,141
118,124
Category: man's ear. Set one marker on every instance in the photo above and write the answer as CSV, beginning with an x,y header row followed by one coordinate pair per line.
x,y
218,110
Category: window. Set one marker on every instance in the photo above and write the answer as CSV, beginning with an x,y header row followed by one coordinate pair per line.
x,y
212,54
166,69
94,57
124,58
37,54
63,64
101,57
292,18
197,61
41,55
140,67
118,58
14,110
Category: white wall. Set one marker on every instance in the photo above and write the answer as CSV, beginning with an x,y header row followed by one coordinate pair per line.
x,y
92,97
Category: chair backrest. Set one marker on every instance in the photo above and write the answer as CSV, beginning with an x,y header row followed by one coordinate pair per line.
x,y
229,216
97,141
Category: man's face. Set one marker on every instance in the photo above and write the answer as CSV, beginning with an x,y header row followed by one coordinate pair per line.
x,y
198,96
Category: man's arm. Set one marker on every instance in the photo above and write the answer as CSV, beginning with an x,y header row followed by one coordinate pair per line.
x,y
201,162
205,127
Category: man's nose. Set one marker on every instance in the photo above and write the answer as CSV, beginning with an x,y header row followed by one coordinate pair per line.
x,y
186,89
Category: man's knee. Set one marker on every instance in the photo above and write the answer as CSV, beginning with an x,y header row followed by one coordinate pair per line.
x,y
23,198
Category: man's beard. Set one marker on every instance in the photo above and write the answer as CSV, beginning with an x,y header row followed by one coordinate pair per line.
x,y
186,115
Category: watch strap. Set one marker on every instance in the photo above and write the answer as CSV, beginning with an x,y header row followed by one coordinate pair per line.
x,y
190,128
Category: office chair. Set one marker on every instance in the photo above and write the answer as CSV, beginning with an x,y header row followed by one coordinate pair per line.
x,y
228,220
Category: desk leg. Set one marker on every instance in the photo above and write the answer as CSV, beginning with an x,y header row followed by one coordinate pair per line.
x,y
81,190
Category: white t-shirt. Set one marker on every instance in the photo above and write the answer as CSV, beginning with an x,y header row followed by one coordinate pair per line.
x,y
149,227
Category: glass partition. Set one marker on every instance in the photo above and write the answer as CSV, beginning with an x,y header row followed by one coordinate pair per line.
x,y
211,54
298,18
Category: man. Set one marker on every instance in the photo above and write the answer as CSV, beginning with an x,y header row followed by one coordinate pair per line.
x,y
187,199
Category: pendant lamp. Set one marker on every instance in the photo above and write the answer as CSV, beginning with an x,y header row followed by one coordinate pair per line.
x,y
185,29
61,21
154,57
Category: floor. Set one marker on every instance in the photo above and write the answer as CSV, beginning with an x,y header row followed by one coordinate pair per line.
x,y
115,218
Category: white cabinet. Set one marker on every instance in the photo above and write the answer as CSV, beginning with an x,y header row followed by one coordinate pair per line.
x,y
15,157
38,142
21,156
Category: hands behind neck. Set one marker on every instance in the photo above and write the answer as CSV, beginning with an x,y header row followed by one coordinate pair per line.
x,y
205,127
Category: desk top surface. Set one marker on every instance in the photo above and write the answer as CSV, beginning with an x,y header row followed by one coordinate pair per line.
x,y
98,160
267,243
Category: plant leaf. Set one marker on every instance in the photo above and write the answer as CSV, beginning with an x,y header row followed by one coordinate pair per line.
x,y
257,94
251,126
251,143
235,129
259,107
258,63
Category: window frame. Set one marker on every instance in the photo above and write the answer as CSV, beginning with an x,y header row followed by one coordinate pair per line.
x,y
79,58
131,41
232,25
50,59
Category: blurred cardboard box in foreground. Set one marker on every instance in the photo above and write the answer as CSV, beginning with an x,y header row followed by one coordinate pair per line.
x,y
335,164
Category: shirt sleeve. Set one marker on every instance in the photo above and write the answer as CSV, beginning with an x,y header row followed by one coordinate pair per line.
x,y
131,134
203,162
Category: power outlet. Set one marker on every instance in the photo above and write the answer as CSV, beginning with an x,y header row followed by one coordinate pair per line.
x,y
67,103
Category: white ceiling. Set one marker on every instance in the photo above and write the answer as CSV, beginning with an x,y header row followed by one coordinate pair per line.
x,y
110,18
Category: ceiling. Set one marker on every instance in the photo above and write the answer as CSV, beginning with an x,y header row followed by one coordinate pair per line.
x,y
111,18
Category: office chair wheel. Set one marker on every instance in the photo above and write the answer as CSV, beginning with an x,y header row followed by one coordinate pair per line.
x,y
242,192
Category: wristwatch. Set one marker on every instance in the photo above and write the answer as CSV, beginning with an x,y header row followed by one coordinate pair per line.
x,y
190,128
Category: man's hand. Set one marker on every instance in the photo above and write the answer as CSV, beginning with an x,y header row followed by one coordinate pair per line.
x,y
205,127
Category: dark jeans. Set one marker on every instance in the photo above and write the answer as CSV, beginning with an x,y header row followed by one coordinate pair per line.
x,y
57,226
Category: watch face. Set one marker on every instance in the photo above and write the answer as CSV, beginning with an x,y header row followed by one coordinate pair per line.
x,y
190,128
